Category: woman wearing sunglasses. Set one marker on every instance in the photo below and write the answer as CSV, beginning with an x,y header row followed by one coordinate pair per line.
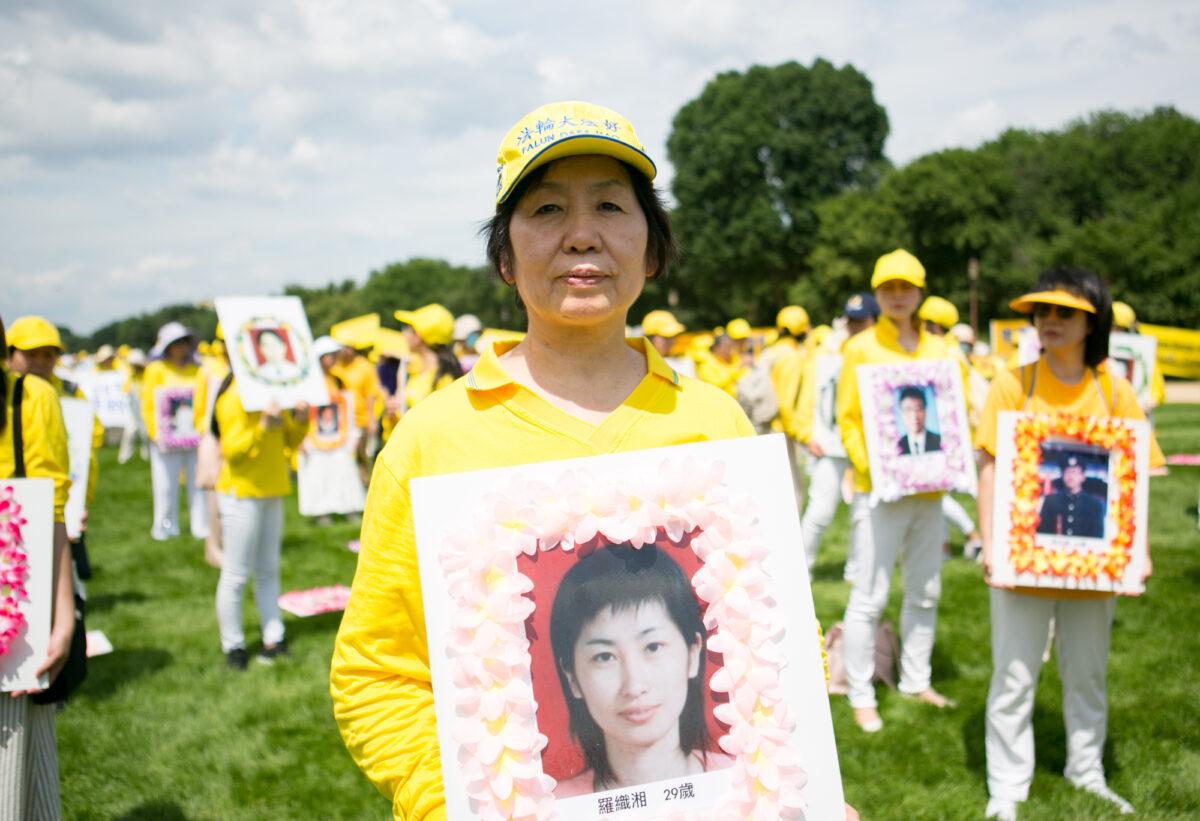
x,y
1072,311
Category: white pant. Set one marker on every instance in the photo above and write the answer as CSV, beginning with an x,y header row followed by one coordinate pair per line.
x,y
824,496
252,532
1020,624
165,467
957,515
913,531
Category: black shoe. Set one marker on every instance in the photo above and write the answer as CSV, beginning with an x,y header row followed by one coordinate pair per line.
x,y
268,655
236,659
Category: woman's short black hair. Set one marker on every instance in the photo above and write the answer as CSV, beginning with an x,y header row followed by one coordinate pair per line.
x,y
662,250
1089,285
619,577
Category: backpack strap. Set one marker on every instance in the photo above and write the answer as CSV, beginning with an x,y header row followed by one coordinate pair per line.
x,y
18,435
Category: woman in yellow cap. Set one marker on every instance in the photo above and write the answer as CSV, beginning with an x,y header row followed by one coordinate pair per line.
x,y
1072,311
662,328
429,332
577,231
910,530
28,750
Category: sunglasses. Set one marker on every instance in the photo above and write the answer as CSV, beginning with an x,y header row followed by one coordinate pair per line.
x,y
1043,310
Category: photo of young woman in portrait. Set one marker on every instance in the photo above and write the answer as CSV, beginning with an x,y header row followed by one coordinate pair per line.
x,y
629,651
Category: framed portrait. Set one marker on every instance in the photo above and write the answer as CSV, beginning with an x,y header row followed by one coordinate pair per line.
x,y
1133,356
613,638
77,416
915,420
270,351
329,425
1071,497
26,575
175,417
1004,335
825,428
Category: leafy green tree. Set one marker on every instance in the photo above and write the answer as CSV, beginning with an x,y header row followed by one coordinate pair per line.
x,y
754,154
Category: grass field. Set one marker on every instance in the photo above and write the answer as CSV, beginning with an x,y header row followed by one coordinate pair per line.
x,y
161,730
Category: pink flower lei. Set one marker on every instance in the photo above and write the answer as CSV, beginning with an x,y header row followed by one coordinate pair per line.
x,y
499,746
14,568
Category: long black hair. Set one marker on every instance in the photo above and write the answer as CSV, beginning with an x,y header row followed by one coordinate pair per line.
x,y
447,363
619,577
1087,284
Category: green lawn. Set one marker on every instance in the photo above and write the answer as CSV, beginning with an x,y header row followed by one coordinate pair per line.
x,y
161,730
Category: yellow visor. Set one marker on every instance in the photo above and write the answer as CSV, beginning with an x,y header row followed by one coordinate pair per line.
x,y
1024,304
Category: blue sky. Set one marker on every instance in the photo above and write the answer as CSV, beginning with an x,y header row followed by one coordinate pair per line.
x,y
161,152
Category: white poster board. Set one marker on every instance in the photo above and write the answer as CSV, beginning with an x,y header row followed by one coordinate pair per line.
x,y
1133,356
711,527
824,427
270,349
106,391
1075,517
1029,345
26,541
915,423
78,416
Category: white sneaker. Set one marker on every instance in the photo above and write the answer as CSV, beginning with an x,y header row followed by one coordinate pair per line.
x,y
1102,792
1002,809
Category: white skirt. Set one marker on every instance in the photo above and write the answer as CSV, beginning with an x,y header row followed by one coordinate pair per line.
x,y
329,482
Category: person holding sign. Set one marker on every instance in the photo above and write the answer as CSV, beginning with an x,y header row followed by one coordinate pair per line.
x,y
578,229
327,475
170,454
33,444
910,529
1072,311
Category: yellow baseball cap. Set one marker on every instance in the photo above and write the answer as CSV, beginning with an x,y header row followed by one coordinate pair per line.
x,y
738,329
1123,315
899,264
30,332
569,129
433,323
662,323
794,319
940,311
1024,304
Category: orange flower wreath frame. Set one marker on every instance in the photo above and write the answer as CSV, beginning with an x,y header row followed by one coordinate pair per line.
x,y
1025,554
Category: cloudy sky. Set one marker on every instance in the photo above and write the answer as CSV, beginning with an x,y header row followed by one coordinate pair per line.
x,y
155,152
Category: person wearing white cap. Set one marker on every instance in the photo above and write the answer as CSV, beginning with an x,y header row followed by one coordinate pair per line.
x,y
177,370
327,479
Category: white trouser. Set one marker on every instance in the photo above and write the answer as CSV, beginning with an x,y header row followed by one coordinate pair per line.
x,y
911,530
1020,624
252,532
957,515
165,467
824,496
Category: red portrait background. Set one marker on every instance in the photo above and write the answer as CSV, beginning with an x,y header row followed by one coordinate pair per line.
x,y
280,332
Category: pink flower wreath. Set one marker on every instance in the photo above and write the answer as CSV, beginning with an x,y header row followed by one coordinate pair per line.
x,y
499,746
14,568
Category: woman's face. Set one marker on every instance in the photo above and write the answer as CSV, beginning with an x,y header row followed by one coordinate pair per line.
x,y
579,244
1059,333
328,360
179,350
272,347
632,669
898,300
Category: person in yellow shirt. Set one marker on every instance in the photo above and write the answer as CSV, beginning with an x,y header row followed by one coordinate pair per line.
x,y
577,231
783,361
28,749
662,328
1125,319
255,476
721,365
327,477
429,331
360,378
34,347
175,369
1071,309
910,529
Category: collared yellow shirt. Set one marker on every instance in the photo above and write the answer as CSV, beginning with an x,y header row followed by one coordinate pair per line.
x,y
380,681
44,436
721,374
162,374
257,460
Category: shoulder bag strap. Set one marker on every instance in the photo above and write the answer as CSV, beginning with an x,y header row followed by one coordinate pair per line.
x,y
18,434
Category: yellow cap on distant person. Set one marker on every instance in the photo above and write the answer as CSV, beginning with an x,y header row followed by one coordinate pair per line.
x,y
567,129
29,332
1123,315
794,319
1024,304
939,311
662,323
899,264
738,329
433,323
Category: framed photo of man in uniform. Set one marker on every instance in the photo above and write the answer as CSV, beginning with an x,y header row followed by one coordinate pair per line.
x,y
1070,502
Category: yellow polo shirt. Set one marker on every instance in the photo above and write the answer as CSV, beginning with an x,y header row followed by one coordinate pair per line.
x,y
257,460
43,434
877,345
162,374
788,377
721,374
361,379
380,682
